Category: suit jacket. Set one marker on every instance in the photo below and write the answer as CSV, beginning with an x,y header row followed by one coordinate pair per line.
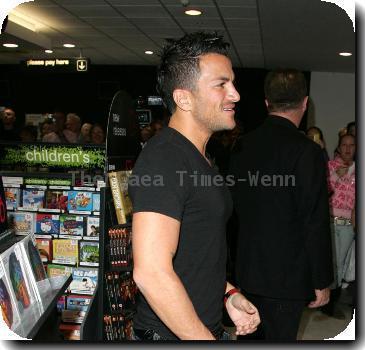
x,y
281,200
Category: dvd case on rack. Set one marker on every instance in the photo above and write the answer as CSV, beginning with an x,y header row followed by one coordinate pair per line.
x,y
71,225
80,201
65,251
92,228
12,197
96,201
58,270
22,222
89,253
56,199
84,280
33,199
47,224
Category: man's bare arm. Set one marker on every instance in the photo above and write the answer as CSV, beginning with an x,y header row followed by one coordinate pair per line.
x,y
155,240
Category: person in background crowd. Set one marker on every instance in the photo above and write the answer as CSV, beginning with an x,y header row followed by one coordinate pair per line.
x,y
28,133
179,243
73,126
8,130
316,135
60,120
341,181
351,128
97,134
146,134
283,259
48,132
157,126
85,133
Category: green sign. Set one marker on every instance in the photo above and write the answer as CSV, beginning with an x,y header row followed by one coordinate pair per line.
x,y
54,156
53,182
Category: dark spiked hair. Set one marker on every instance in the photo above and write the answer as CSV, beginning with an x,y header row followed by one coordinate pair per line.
x,y
179,66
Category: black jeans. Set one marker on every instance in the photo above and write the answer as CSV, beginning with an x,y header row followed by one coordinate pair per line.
x,y
279,318
148,335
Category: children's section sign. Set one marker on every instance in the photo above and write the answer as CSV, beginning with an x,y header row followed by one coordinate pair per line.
x,y
53,156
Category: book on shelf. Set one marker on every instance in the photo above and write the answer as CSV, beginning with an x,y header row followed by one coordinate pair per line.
x,y
55,270
92,228
118,181
47,223
21,222
8,303
89,253
61,303
84,280
96,201
56,199
71,225
33,198
72,316
78,302
70,331
44,246
80,201
34,267
65,251
12,197
20,286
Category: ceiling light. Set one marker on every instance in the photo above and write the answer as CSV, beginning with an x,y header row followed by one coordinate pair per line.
x,y
346,54
48,51
193,12
69,45
148,52
10,45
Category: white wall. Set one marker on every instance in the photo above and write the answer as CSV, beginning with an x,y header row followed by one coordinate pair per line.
x,y
332,104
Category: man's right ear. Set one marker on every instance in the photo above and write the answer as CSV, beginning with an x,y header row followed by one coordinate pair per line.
x,y
182,99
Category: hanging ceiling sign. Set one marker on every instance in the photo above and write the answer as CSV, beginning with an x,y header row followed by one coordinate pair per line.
x,y
57,64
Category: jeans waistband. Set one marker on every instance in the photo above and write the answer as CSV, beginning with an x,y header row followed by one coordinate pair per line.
x,y
338,220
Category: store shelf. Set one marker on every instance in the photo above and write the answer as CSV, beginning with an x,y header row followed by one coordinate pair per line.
x,y
30,327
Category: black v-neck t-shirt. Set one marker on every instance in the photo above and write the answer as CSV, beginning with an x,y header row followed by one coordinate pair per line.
x,y
185,187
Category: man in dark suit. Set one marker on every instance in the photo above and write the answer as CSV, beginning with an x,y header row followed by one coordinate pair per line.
x,y
284,258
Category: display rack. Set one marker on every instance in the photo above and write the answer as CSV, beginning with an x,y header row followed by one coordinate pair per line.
x,y
57,175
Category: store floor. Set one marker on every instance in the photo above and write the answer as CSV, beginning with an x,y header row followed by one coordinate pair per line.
x,y
315,325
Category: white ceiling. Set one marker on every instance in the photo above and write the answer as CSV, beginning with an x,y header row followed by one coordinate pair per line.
x,y
305,34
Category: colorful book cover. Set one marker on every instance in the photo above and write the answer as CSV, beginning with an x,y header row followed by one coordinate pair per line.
x,y
89,253
84,280
80,201
61,303
34,267
65,251
56,199
92,228
96,201
71,225
16,274
8,305
22,222
12,196
58,270
33,198
78,302
44,246
47,224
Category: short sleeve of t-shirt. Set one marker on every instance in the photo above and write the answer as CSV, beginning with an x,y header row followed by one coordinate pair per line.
x,y
157,183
